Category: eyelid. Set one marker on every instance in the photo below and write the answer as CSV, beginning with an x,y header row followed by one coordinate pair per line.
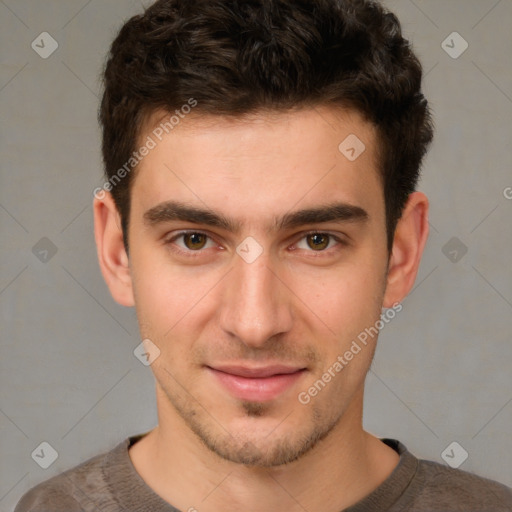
x,y
186,232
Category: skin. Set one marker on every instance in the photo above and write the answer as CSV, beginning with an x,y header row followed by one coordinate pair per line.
x,y
294,305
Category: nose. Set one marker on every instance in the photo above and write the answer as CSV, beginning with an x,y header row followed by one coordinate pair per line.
x,y
256,305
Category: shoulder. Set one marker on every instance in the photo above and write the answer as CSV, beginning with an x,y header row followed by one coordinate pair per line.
x,y
441,486
50,496
73,490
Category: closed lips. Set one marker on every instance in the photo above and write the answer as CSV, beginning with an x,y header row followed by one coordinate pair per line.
x,y
257,373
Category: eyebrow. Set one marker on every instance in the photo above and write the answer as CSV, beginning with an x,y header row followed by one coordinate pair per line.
x,y
333,212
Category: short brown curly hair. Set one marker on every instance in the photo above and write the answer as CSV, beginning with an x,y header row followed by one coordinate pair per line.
x,y
236,57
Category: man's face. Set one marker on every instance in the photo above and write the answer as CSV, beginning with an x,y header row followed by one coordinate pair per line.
x,y
249,313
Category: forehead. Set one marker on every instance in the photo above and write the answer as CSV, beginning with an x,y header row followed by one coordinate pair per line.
x,y
261,165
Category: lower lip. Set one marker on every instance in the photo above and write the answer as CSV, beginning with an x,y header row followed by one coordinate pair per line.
x,y
258,390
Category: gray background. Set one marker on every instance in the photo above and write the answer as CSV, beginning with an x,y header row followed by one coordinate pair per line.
x,y
68,373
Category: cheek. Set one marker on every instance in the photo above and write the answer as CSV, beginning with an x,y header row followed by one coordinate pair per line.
x,y
349,310
172,301
346,307
344,301
161,297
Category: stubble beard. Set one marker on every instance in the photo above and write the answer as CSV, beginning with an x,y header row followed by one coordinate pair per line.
x,y
258,451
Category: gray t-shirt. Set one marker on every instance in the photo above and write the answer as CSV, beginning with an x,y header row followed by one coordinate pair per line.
x,y
110,483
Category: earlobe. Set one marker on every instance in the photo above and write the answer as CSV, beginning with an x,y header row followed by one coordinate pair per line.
x,y
112,255
409,241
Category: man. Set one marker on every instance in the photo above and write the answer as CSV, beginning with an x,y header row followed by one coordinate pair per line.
x,y
259,212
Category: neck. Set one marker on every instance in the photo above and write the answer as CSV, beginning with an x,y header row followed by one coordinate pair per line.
x,y
338,472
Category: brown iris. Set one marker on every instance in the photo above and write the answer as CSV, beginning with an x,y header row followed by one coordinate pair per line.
x,y
318,241
194,240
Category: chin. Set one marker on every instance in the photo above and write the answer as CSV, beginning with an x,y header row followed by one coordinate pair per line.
x,y
257,439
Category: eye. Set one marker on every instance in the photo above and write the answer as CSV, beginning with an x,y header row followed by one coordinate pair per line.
x,y
192,241
318,241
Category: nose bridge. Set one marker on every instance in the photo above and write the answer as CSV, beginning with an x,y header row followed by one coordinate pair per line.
x,y
255,307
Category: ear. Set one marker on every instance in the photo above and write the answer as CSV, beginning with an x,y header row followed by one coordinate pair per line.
x,y
409,241
112,255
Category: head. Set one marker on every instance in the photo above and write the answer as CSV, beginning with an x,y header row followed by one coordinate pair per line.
x,y
232,118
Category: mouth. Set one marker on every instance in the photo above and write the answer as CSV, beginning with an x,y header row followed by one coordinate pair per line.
x,y
256,384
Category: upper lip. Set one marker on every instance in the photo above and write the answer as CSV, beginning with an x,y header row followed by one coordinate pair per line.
x,y
256,373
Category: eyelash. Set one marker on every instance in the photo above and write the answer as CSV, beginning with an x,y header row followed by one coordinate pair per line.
x,y
194,254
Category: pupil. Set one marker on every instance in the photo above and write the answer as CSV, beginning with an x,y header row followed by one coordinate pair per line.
x,y
319,241
196,239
